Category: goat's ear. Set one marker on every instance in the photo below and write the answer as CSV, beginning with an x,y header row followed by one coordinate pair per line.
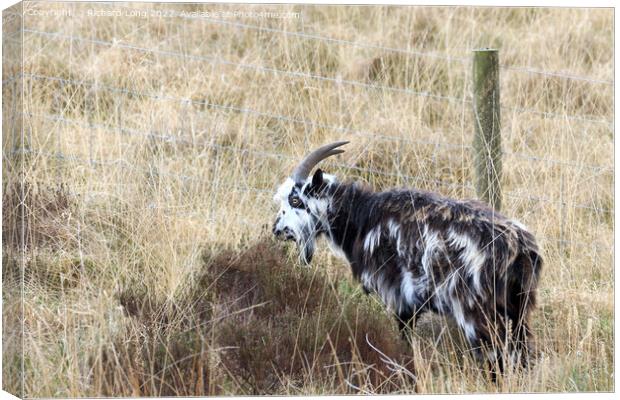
x,y
318,183
317,178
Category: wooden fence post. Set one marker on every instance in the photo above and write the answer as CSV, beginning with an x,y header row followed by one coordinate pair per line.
x,y
487,138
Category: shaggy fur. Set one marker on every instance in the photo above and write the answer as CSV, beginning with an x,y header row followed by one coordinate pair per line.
x,y
421,252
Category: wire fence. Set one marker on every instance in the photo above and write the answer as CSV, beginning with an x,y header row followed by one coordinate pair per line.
x,y
257,192
439,145
327,39
410,52
410,179
298,74
96,86
371,46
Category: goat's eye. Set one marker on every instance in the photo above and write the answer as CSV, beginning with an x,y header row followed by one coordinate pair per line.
x,y
295,202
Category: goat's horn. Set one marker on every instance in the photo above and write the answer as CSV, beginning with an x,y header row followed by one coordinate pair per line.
x,y
302,170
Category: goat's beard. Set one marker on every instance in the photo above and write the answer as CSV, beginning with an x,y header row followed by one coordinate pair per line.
x,y
306,248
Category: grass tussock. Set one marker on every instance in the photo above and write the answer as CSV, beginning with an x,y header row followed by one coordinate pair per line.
x,y
251,318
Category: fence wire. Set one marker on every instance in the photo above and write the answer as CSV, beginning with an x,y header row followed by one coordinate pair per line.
x,y
256,192
410,52
328,39
388,49
96,86
297,74
260,153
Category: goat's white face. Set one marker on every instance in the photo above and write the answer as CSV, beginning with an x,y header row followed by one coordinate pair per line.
x,y
303,212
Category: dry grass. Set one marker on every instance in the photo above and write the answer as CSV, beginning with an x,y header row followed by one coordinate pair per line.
x,y
114,251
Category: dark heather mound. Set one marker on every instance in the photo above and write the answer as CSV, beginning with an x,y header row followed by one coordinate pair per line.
x,y
274,328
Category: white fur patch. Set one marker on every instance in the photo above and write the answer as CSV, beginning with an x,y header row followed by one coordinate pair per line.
x,y
453,280
373,237
519,225
283,191
459,316
394,231
407,287
444,292
432,244
471,256
318,206
412,289
377,283
456,240
367,281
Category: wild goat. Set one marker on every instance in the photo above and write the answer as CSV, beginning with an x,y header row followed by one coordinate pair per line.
x,y
419,251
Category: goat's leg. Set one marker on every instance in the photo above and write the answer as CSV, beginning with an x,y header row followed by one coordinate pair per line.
x,y
406,322
403,324
485,341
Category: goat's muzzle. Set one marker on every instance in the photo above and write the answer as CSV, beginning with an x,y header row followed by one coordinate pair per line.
x,y
282,234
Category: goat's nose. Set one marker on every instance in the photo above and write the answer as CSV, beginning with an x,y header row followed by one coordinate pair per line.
x,y
276,231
